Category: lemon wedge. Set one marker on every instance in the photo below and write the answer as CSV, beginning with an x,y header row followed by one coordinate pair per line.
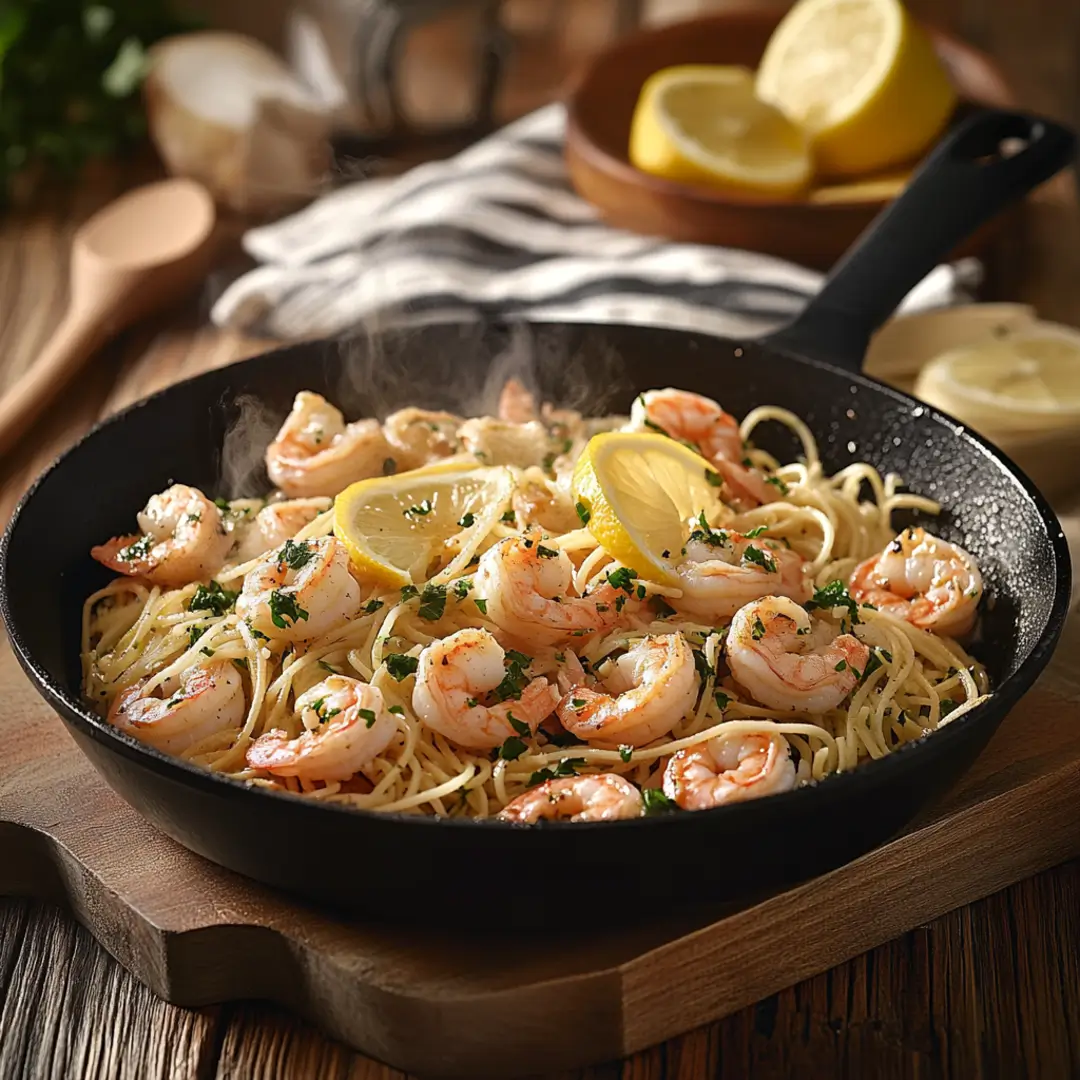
x,y
639,492
861,78
704,124
1028,381
395,526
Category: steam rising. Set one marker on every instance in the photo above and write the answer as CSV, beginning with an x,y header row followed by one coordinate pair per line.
x,y
459,368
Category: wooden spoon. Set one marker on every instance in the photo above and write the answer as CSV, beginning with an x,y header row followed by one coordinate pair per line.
x,y
132,257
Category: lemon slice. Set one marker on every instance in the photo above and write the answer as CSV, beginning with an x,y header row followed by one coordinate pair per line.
x,y
395,526
704,124
1025,382
639,492
861,78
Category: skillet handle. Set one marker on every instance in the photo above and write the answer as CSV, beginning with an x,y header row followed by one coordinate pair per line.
x,y
972,174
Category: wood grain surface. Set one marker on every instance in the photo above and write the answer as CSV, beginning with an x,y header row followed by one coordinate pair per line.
x,y
989,990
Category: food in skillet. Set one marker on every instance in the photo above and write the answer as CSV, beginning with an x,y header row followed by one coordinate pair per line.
x,y
534,616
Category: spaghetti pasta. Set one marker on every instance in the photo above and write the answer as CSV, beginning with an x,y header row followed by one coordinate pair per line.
x,y
135,632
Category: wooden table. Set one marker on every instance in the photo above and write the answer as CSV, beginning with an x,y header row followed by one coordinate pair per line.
x,y
989,990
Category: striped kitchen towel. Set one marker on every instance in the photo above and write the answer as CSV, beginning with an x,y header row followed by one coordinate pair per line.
x,y
498,232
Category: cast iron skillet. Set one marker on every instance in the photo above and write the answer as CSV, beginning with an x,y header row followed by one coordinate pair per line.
x,y
499,874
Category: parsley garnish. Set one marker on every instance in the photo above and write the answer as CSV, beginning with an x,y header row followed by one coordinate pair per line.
x,y
714,479
519,726
432,602
662,608
578,703
401,666
194,633
242,663
656,802
842,666
706,534
778,484
512,749
622,579
397,710
834,595
481,604
546,553
753,534
583,512
466,521
258,633
509,518
563,739
367,715
206,651
462,588
421,509
760,558
516,678
213,598
566,767
948,705
294,556
138,549
757,632
409,592
626,752
284,606
326,667
721,699
701,663
222,504
372,606
389,466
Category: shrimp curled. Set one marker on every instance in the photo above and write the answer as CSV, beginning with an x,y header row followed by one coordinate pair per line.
x,y
786,661
276,523
528,590
300,592
317,453
606,797
204,700
454,684
183,539
727,769
931,583
347,726
654,685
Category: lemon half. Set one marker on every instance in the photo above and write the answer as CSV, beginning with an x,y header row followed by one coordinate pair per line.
x,y
704,124
395,526
639,491
861,78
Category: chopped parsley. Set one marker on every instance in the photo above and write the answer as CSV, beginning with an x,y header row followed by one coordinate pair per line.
x,y
409,592
397,710
372,606
295,556
721,699
753,534
138,549
560,658
757,631
241,663
622,579
662,608
512,749
760,558
583,512
367,715
546,553
519,726
222,504
400,666
549,461
834,595
389,466
714,479
466,521
509,518
481,605
778,484
578,703
948,705
656,802
563,739
626,752
258,633
421,509
283,606
462,588
206,651
326,667
842,666
702,665
432,602
213,598
193,519
566,767
516,677
194,633
706,534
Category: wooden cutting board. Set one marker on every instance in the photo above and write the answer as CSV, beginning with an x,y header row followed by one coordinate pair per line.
x,y
476,1006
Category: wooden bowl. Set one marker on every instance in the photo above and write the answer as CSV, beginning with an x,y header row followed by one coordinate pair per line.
x,y
814,229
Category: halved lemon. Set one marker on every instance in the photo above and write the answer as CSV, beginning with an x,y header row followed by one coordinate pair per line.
x,y
395,526
638,492
703,123
861,78
1026,381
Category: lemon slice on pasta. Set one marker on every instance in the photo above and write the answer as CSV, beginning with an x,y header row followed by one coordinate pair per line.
x,y
637,494
396,526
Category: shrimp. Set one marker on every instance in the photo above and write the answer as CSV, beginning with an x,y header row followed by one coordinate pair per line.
x,y
183,539
723,570
786,661
278,522
517,404
654,685
419,436
453,691
317,453
527,588
698,420
203,701
300,591
537,504
931,583
729,768
347,726
499,442
605,797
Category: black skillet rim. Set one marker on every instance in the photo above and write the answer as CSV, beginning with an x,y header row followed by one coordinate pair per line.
x,y
1010,691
